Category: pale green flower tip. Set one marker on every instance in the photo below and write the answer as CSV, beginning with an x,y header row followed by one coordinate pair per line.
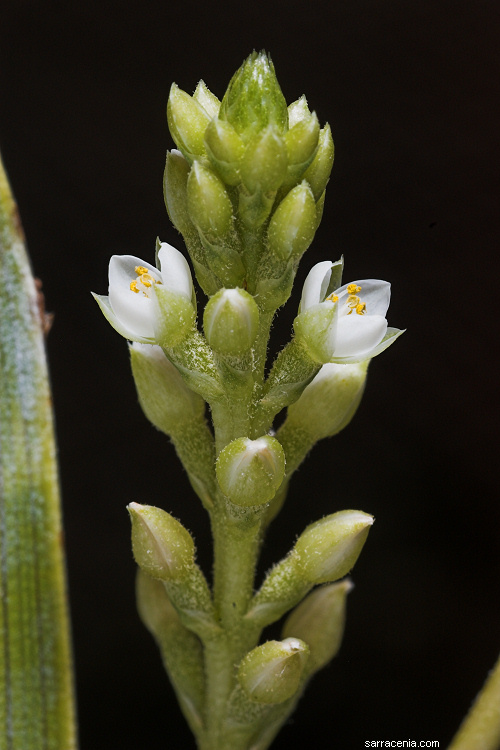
x,y
318,172
264,165
249,472
187,122
293,225
206,99
271,673
253,99
208,202
328,549
162,547
165,399
298,111
231,321
302,141
319,620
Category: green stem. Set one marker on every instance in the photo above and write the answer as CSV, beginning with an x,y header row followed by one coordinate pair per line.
x,y
194,445
481,727
235,555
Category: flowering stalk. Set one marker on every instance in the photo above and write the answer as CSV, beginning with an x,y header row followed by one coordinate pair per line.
x,y
245,187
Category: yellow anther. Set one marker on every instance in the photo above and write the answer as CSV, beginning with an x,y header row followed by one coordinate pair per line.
x,y
332,298
144,280
353,301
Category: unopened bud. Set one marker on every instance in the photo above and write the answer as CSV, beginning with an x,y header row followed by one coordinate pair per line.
x,y
297,111
253,99
208,202
319,620
301,141
175,191
271,673
231,321
330,401
225,150
318,172
206,99
162,547
328,549
292,227
187,121
165,399
265,162
250,471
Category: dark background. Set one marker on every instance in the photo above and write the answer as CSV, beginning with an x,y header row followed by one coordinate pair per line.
x,y
410,89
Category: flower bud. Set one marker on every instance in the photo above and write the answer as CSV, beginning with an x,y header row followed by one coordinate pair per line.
x,y
297,111
250,471
165,399
330,401
225,150
265,162
208,202
328,549
187,122
271,673
206,99
231,321
253,99
292,227
162,547
318,173
319,621
301,141
175,191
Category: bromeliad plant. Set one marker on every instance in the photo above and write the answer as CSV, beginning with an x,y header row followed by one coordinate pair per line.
x,y
245,188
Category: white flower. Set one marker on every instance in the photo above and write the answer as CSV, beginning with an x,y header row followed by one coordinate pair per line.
x,y
132,307
347,325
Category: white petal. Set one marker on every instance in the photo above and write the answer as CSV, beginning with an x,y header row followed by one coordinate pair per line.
x,y
122,270
315,285
135,311
358,334
175,271
375,293
117,324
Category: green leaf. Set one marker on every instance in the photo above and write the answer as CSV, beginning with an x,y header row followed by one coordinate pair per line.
x,y
36,683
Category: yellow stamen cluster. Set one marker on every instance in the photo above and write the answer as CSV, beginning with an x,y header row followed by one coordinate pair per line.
x,y
144,278
353,301
332,298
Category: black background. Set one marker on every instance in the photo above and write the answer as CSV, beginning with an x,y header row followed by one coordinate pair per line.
x,y
410,90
